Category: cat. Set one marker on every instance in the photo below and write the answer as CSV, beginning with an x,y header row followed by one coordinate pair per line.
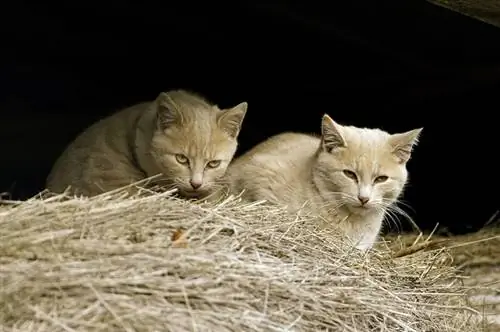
x,y
179,137
349,176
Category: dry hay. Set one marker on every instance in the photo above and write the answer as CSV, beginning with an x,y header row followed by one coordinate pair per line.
x,y
476,256
156,263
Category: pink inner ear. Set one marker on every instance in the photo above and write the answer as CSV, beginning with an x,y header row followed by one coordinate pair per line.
x,y
403,144
403,153
230,121
332,138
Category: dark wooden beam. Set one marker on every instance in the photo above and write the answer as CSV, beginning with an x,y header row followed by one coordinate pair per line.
x,y
484,10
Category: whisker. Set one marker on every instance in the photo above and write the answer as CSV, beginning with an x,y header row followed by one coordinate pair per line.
x,y
394,210
392,219
403,203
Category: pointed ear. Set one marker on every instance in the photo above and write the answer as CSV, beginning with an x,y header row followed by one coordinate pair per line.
x,y
331,136
167,111
403,144
230,120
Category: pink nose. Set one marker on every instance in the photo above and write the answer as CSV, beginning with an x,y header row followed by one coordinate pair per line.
x,y
195,184
363,199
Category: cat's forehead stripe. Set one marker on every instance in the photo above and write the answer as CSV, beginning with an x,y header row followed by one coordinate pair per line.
x,y
205,141
366,167
367,149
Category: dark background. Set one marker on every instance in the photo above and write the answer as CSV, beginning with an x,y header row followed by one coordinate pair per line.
x,y
397,65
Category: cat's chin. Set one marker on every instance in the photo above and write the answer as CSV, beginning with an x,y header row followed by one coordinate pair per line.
x,y
192,194
360,209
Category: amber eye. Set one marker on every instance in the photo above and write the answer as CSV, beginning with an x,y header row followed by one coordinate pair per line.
x,y
380,179
182,159
213,163
350,174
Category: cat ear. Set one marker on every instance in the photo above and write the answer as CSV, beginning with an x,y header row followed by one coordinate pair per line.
x,y
331,136
230,120
404,143
167,111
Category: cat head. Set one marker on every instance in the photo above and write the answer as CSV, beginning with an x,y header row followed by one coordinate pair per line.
x,y
194,141
365,169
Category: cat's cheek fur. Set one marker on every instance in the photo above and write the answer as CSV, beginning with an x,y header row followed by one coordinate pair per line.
x,y
177,173
213,175
397,186
349,188
391,192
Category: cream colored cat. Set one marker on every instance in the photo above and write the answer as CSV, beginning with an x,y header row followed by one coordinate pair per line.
x,y
179,136
350,176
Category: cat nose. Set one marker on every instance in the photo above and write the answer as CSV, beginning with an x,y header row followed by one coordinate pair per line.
x,y
363,199
195,184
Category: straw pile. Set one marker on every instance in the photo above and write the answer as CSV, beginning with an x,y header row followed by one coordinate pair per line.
x,y
476,256
157,263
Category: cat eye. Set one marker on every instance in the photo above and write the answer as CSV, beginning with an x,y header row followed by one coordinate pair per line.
x,y
213,163
181,159
350,174
380,179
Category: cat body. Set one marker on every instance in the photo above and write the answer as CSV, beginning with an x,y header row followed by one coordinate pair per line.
x,y
349,176
179,137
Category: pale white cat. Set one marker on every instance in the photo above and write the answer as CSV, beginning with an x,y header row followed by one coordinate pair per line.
x,y
349,176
